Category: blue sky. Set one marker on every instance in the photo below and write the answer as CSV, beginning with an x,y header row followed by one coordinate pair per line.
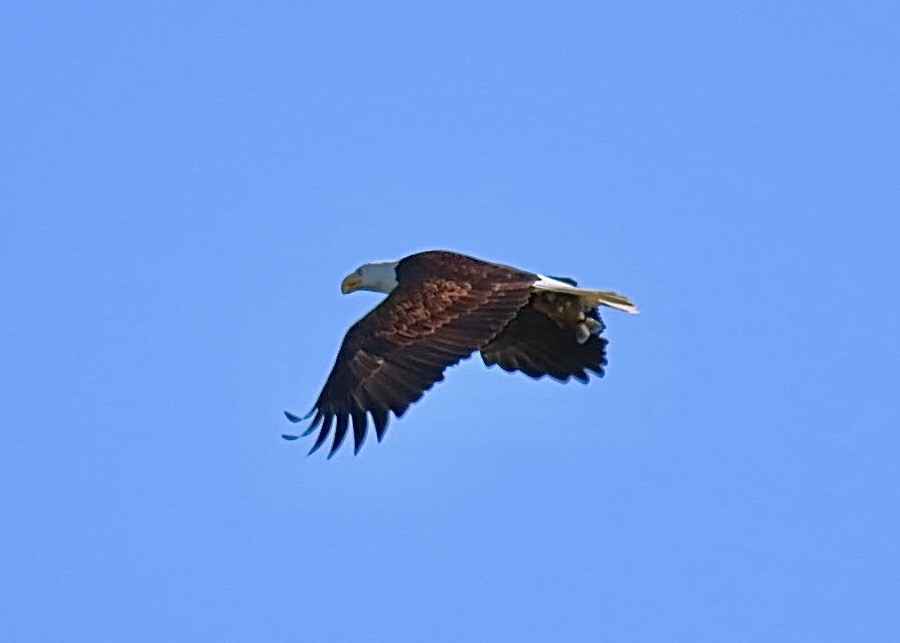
x,y
185,185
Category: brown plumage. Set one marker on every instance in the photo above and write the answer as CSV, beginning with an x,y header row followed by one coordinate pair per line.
x,y
442,307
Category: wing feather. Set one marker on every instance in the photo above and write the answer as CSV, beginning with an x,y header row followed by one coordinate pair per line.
x,y
323,433
534,345
380,420
312,425
340,432
359,429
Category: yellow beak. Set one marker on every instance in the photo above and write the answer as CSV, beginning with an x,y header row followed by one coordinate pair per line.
x,y
351,282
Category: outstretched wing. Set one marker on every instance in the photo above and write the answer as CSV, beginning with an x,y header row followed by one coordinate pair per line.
x,y
444,307
533,344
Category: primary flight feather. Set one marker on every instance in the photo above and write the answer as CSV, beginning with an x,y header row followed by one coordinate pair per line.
x,y
441,307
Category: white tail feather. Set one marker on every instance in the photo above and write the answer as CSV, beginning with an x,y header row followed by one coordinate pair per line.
x,y
589,297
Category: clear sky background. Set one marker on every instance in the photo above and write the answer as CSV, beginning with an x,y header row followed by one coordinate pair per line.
x,y
182,187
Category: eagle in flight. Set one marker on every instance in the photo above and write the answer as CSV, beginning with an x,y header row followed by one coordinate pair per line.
x,y
442,307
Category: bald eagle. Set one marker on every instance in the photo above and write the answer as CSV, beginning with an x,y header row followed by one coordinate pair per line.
x,y
441,307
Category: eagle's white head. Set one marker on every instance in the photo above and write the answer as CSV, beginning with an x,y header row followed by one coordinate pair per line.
x,y
378,276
